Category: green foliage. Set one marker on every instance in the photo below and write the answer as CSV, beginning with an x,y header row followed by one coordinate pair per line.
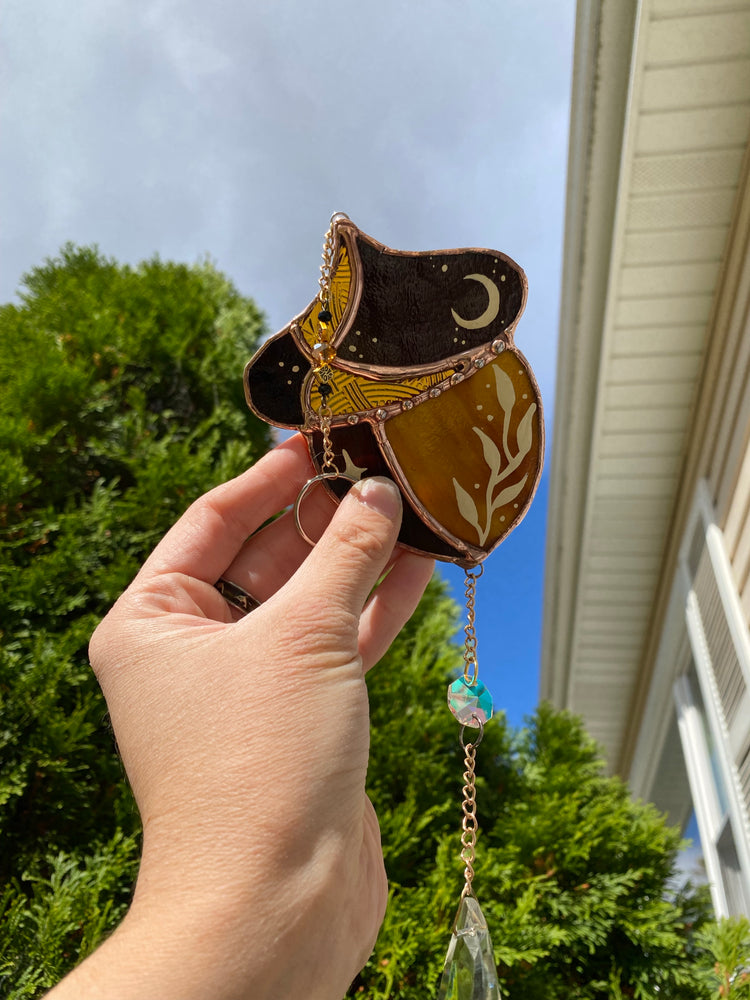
x,y
581,876
728,942
47,922
572,875
120,402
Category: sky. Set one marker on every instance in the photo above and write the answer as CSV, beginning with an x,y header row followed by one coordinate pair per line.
x,y
234,129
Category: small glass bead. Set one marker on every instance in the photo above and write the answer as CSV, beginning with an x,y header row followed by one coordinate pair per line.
x,y
407,404
498,346
435,392
381,414
324,353
478,363
467,700
325,333
352,419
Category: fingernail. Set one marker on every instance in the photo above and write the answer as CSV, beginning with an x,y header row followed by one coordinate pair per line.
x,y
379,493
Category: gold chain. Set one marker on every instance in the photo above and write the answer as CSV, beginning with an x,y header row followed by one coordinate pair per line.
x,y
469,825
323,373
328,464
326,268
324,351
471,664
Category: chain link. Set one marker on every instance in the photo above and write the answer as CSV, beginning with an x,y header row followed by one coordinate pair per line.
x,y
326,268
471,664
323,374
323,371
328,465
469,825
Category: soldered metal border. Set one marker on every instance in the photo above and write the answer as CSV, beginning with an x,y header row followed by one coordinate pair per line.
x,y
346,229
470,555
463,364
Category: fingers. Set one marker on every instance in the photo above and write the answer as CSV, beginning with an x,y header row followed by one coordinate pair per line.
x,y
210,541
212,531
274,554
392,604
346,563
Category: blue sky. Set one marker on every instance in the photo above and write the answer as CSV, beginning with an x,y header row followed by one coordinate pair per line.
x,y
234,130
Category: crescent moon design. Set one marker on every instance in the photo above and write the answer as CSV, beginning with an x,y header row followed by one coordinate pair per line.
x,y
493,305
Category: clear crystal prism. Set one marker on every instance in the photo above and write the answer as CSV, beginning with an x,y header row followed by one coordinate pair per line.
x,y
470,972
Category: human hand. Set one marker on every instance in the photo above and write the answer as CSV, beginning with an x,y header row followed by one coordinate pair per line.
x,y
246,743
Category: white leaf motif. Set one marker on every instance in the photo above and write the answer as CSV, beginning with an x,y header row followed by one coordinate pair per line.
x,y
466,506
524,432
492,454
509,493
506,394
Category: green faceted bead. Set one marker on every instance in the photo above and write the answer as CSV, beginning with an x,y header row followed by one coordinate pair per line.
x,y
470,702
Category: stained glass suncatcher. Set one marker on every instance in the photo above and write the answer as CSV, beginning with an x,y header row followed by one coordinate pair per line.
x,y
426,386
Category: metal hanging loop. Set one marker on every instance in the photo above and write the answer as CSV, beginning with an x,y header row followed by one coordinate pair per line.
x,y
320,478
475,742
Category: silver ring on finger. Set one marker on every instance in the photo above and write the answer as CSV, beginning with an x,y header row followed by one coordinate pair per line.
x,y
236,597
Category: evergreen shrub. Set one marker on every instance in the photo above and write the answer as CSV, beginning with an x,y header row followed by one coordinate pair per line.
x,y
120,402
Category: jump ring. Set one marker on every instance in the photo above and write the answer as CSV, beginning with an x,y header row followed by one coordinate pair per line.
x,y
476,742
321,477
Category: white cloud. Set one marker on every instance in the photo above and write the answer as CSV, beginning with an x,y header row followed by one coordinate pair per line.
x,y
235,129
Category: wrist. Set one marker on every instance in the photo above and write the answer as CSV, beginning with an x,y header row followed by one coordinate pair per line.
x,y
272,939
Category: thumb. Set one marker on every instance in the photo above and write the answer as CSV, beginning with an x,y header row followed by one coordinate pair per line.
x,y
350,557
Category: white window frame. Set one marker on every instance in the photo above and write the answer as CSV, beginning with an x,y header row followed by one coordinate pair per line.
x,y
711,820
670,690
